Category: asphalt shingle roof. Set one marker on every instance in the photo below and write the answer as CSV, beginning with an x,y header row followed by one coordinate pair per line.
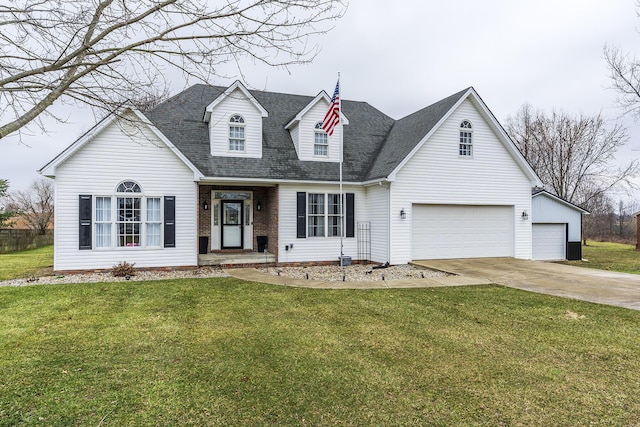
x,y
374,143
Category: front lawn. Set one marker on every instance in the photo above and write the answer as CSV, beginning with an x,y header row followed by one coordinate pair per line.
x,y
226,352
610,256
31,263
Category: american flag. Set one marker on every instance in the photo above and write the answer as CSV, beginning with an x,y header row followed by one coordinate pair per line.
x,y
332,118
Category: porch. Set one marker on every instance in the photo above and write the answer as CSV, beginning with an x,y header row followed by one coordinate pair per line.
x,y
235,258
236,224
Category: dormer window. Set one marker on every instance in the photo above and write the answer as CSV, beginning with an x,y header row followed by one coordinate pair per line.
x,y
320,141
236,133
466,142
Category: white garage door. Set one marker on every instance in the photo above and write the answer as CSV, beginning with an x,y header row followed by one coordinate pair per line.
x,y
452,231
549,241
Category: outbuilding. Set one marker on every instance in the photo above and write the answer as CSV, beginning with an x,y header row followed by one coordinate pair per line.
x,y
556,227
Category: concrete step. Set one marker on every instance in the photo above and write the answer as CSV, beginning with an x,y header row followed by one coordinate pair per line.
x,y
247,258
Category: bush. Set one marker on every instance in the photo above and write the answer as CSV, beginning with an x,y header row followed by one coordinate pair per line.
x,y
123,269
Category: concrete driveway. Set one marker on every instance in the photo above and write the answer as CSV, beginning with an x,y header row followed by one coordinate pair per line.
x,y
599,286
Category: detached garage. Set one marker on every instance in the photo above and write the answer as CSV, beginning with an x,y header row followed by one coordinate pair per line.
x,y
556,227
462,231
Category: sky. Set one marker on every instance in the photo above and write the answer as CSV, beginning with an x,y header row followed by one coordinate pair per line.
x,y
405,55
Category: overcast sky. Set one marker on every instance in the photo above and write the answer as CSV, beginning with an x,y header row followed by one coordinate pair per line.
x,y
404,55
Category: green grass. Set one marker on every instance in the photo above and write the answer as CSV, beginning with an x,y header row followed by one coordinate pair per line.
x,y
226,352
610,256
34,262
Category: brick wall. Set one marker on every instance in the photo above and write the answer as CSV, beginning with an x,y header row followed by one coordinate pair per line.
x,y
265,221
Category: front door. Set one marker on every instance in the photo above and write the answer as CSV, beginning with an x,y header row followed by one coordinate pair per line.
x,y
231,225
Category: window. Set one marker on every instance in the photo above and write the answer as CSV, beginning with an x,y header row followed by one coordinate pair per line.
x,y
154,221
334,215
236,133
312,213
466,143
128,219
320,142
103,222
316,215
319,214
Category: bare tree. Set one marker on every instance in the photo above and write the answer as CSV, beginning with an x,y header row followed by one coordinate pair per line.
x,y
574,156
625,79
103,52
35,205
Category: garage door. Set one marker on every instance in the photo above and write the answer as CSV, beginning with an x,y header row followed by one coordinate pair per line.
x,y
453,231
549,241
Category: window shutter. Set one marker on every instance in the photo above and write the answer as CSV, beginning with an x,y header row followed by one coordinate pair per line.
x,y
84,234
350,216
169,221
302,215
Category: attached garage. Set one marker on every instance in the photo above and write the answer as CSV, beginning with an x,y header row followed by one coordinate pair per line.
x,y
556,227
549,241
462,231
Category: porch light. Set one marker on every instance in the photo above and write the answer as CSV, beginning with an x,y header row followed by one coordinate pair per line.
x,y
525,215
205,205
258,206
403,214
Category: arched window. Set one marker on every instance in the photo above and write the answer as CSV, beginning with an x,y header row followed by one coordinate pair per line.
x,y
128,187
136,218
320,141
236,133
466,139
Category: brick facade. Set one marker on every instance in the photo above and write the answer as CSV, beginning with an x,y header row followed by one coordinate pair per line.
x,y
265,221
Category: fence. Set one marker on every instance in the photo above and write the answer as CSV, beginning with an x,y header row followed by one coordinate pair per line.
x,y
20,240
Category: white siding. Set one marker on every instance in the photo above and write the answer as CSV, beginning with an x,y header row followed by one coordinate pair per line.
x,y
295,136
306,134
436,174
313,248
96,169
545,209
377,214
235,103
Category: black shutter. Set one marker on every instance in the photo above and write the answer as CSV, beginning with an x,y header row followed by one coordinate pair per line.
x,y
169,221
302,215
350,216
84,210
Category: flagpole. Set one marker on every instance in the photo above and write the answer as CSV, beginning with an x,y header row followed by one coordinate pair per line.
x,y
341,195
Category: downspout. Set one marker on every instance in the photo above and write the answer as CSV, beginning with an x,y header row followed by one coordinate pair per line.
x,y
388,222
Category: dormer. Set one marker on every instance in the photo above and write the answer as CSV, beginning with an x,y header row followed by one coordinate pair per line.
x,y
235,123
311,142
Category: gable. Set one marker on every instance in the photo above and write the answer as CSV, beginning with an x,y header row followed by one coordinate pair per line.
x,y
490,173
235,104
482,116
128,125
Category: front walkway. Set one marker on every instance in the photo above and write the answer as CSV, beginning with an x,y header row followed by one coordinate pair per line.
x,y
253,275
586,284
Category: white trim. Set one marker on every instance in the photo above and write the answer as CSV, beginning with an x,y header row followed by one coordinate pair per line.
x,y
49,170
314,101
491,120
562,201
229,91
244,181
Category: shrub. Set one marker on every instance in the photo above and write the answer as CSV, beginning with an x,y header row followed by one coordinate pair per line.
x,y
123,269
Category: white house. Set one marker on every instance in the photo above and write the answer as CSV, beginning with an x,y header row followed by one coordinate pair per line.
x,y
215,170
